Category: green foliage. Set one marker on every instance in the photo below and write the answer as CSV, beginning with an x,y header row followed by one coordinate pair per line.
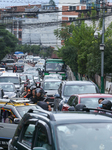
x,y
8,42
81,50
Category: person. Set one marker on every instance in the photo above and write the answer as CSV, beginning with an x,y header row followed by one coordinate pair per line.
x,y
10,118
33,97
99,102
106,104
14,68
41,99
3,65
25,90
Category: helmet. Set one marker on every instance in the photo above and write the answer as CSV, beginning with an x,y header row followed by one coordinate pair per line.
x,y
33,87
80,107
39,90
28,86
38,84
106,104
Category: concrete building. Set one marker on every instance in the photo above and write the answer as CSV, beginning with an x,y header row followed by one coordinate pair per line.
x,y
33,24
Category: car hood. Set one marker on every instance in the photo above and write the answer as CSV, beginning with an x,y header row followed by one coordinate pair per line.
x,y
10,94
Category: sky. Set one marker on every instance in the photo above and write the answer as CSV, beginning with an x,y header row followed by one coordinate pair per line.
x,y
4,3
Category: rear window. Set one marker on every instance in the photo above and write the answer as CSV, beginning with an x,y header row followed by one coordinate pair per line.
x,y
14,80
9,61
79,89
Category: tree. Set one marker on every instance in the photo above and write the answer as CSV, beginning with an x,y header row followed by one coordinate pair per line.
x,y
51,2
8,42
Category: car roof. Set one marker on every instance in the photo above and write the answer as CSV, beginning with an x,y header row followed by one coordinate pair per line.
x,y
99,95
9,74
52,80
77,82
6,83
71,117
80,116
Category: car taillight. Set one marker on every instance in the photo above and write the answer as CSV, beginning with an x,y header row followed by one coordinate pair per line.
x,y
21,66
65,108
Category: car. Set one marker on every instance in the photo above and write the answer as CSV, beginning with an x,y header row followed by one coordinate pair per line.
x,y
9,64
35,59
21,61
51,86
35,74
9,89
20,67
31,79
24,79
13,78
90,100
43,130
17,107
52,76
30,69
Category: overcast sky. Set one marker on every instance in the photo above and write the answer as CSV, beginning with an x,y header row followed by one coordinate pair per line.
x,y
4,3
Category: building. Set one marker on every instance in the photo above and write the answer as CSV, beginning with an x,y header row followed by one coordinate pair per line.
x,y
32,25
68,12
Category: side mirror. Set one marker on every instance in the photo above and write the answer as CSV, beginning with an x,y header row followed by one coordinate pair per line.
x,y
5,97
39,148
16,120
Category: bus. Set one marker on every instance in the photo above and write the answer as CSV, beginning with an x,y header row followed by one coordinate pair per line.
x,y
53,66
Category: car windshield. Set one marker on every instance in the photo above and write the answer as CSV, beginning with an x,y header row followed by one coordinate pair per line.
x,y
51,85
23,78
92,136
2,69
31,69
54,67
20,60
24,109
35,59
30,77
14,80
92,102
7,87
79,89
9,61
50,77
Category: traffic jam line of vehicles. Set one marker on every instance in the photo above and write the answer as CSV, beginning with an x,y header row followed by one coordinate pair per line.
x,y
28,97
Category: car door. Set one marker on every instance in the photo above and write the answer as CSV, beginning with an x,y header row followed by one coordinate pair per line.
x,y
7,130
25,140
43,136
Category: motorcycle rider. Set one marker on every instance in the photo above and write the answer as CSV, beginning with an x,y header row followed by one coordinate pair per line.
x,y
41,99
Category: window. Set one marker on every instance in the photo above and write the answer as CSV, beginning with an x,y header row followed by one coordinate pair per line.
x,y
15,24
72,19
42,137
72,7
28,135
70,101
15,33
20,24
20,35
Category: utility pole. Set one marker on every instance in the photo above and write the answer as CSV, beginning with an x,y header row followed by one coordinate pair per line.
x,y
102,46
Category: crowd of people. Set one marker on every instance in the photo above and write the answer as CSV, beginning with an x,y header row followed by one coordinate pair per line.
x,y
36,95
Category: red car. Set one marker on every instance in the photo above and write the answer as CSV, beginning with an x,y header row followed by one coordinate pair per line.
x,y
90,100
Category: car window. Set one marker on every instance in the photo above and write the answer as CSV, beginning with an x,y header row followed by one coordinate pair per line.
x,y
7,115
70,101
27,136
51,85
14,80
84,136
7,87
42,137
77,89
